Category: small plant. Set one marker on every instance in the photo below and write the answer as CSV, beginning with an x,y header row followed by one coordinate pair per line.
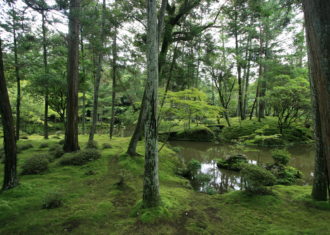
x,y
257,178
53,200
106,146
193,166
35,165
92,145
24,146
281,156
43,145
80,158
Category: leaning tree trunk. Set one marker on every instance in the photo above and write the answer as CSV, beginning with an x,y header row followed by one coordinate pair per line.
x,y
10,174
151,197
44,44
317,20
71,133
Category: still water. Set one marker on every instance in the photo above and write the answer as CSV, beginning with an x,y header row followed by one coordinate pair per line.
x,y
302,158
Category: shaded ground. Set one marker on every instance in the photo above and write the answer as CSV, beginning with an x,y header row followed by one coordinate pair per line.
x,y
103,202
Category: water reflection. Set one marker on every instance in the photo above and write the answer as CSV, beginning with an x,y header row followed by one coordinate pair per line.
x,y
224,180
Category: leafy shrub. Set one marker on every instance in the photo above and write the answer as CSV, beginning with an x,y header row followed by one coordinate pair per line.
x,y
54,147
24,146
281,156
53,200
106,146
80,158
233,163
35,165
43,145
297,134
256,178
92,145
61,142
56,137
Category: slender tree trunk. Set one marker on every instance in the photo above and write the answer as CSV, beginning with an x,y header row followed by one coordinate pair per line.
x,y
97,78
114,78
82,49
317,20
71,133
18,83
44,44
239,72
151,197
10,173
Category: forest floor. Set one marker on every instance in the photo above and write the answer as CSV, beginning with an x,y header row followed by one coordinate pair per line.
x,y
102,196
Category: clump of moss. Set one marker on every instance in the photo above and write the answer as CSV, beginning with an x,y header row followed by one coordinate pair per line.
x,y
257,178
194,134
53,200
57,152
233,163
24,137
35,165
80,157
92,145
106,146
151,215
24,146
61,142
43,145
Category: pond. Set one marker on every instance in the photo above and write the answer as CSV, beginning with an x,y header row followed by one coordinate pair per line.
x,y
302,158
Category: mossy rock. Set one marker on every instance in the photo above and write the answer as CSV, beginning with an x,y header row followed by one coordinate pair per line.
x,y
203,134
233,163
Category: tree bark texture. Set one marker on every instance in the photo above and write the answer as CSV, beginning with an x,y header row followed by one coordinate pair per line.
x,y
317,21
71,133
10,172
151,197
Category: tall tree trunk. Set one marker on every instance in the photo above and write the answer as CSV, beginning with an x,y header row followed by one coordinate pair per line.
x,y
241,114
18,82
114,78
82,49
317,20
97,77
151,197
44,45
71,133
10,174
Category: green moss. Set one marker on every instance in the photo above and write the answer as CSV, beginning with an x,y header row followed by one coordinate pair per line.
x,y
94,204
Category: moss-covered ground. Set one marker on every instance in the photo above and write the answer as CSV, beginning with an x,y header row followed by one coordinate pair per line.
x,y
103,197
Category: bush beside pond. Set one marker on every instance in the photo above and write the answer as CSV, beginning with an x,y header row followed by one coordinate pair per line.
x,y
233,163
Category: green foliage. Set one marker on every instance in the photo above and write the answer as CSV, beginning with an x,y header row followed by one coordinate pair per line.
x,y
53,200
35,165
80,158
257,178
188,105
281,156
194,134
